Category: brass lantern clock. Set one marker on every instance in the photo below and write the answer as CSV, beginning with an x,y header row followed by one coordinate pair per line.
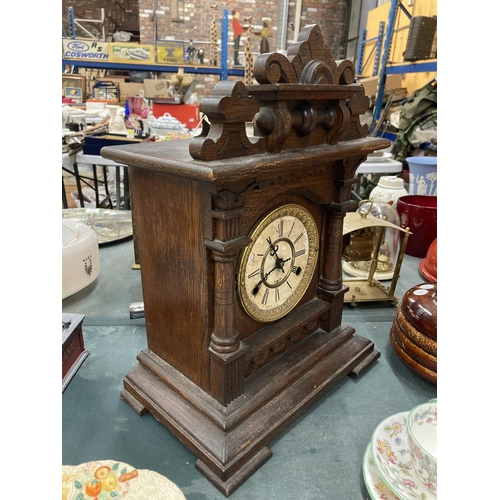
x,y
363,236
240,242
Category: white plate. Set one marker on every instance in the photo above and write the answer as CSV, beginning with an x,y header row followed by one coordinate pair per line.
x,y
109,225
375,159
375,485
391,454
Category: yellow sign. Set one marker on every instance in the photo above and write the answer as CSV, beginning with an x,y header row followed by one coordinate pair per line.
x,y
132,53
170,52
87,50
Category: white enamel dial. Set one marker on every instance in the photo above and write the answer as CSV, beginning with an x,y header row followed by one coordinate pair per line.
x,y
276,269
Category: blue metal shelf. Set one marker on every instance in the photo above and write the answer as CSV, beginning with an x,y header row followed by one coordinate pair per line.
x,y
155,68
397,69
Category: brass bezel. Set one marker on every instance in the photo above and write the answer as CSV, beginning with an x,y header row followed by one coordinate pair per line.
x,y
250,306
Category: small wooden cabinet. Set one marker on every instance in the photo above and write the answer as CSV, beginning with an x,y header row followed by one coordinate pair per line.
x,y
224,381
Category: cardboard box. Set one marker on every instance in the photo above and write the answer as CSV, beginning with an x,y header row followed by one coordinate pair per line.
x,y
129,89
187,114
155,87
391,82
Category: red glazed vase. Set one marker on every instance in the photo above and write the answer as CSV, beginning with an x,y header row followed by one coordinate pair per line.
x,y
419,213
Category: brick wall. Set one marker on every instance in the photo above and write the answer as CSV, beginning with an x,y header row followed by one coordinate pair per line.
x,y
125,13
196,19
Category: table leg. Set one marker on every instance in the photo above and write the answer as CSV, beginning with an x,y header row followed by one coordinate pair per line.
x,y
96,185
118,189
126,189
64,199
78,185
106,187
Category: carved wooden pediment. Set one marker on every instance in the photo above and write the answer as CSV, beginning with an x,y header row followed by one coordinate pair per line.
x,y
303,98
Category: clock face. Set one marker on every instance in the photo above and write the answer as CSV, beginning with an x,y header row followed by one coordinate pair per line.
x,y
276,268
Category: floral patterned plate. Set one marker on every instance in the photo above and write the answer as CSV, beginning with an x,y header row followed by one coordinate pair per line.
x,y
391,453
113,480
375,485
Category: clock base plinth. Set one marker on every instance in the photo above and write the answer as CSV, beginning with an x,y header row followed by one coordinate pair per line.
x,y
231,441
356,371
236,480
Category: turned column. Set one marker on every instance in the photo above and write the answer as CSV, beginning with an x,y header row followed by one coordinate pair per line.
x,y
330,285
225,349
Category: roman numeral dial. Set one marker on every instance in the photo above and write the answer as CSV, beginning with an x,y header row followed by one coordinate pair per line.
x,y
275,270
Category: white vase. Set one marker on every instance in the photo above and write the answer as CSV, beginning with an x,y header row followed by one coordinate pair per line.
x,y
116,123
423,175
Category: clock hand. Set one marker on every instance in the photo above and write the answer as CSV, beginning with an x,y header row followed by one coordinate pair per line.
x,y
280,262
256,288
274,248
274,253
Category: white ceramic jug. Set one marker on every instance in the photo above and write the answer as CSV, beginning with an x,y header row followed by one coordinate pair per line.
x,y
389,189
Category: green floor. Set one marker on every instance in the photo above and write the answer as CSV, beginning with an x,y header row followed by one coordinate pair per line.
x,y
318,457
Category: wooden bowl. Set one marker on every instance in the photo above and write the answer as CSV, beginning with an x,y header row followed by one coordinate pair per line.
x,y
422,371
413,350
423,341
414,330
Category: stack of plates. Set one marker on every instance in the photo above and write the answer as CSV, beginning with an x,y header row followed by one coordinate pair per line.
x,y
387,468
414,330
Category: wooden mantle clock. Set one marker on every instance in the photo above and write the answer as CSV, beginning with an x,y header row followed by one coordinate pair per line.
x,y
240,243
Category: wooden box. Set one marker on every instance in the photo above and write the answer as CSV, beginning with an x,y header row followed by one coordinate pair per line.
x,y
73,348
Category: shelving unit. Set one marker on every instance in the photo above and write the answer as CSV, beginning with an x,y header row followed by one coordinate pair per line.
x,y
377,48
222,71
396,68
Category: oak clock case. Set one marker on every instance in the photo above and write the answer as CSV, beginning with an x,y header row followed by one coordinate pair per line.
x,y
243,307
275,270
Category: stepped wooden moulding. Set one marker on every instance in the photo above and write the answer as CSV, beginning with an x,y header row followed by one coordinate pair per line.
x,y
240,242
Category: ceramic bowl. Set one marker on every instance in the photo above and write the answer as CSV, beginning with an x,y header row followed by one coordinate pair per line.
x,y
428,266
422,440
80,257
419,213
391,456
